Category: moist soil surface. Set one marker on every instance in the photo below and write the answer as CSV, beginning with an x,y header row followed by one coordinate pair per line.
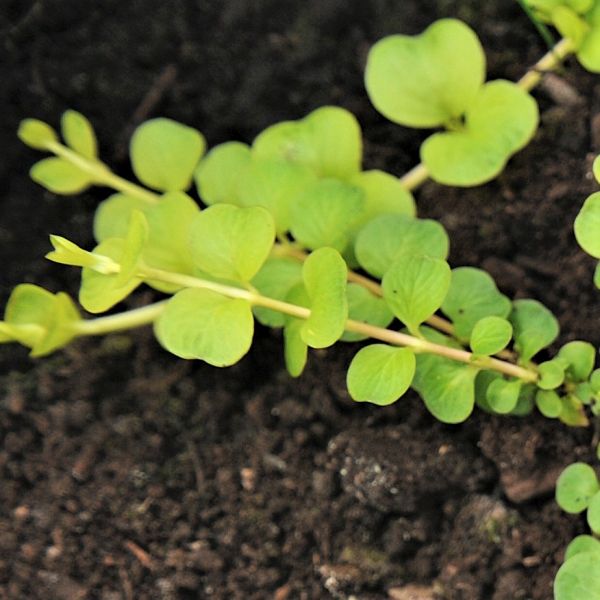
x,y
129,474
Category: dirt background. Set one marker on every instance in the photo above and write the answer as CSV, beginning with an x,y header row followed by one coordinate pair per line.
x,y
128,474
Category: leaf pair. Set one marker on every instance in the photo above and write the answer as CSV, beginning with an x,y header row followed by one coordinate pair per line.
x,y
437,79
39,319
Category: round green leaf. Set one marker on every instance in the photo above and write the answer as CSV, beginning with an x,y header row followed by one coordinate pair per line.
x,y
217,174
229,242
414,287
570,25
502,119
502,395
426,80
472,296
324,273
534,327
164,154
593,513
588,53
580,358
325,212
552,374
581,544
365,307
575,487
579,578
204,325
595,381
60,176
490,335
587,225
328,141
548,403
79,134
380,374
36,134
387,238
295,349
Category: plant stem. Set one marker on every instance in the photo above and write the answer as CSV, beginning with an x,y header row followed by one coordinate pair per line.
x,y
387,335
101,174
416,177
121,321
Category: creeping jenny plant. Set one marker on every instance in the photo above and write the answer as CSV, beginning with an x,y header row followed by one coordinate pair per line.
x,y
294,234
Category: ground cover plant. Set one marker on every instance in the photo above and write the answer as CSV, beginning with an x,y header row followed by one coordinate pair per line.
x,y
303,239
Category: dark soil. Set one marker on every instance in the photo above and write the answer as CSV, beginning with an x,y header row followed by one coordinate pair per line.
x,y
128,474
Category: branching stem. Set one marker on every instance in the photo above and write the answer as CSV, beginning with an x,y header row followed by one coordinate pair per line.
x,y
121,321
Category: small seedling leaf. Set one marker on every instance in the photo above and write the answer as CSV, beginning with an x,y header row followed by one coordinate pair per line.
x,y
593,513
328,141
548,403
164,154
552,374
534,326
490,335
597,276
502,120
588,53
576,487
502,395
587,225
231,243
472,296
573,412
68,253
414,287
426,80
36,134
581,544
295,348
579,578
79,134
324,273
580,358
365,307
325,212
570,25
218,173
276,279
595,381
387,238
60,176
380,374
204,325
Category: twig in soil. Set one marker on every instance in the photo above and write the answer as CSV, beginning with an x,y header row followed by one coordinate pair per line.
x,y
144,558
198,473
149,102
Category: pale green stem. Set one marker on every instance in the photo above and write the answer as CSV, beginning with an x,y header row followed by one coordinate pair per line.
x,y
121,321
416,177
101,174
393,337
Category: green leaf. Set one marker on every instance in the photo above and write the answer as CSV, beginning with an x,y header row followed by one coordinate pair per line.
x,y
548,403
482,383
36,134
328,141
583,392
79,134
596,168
229,242
593,513
324,213
387,238
365,307
587,225
295,349
575,487
204,325
579,578
99,292
534,326
552,374
273,184
414,287
426,80
502,119
580,358
446,386
324,273
588,53
276,279
60,176
380,374
526,401
581,544
384,193
490,335
164,154
68,253
597,276
573,412
570,25
502,395
217,174
595,381
473,295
